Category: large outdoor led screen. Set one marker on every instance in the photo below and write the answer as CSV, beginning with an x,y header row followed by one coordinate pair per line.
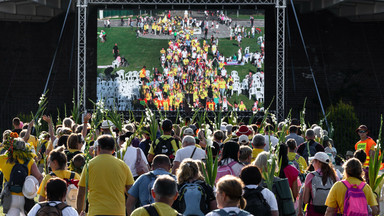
x,y
169,60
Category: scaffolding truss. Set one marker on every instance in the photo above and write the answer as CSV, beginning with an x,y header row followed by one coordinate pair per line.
x,y
82,6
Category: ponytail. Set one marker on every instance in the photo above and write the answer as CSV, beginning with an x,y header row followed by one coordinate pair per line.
x,y
242,203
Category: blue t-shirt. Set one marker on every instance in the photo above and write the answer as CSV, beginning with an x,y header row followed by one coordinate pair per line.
x,y
140,189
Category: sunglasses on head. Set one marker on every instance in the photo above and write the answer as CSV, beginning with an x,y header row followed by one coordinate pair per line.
x,y
362,131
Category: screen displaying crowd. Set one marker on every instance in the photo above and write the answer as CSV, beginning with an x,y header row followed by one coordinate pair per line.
x,y
168,60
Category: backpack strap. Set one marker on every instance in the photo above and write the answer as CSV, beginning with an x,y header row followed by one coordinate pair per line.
x,y
72,175
52,174
221,212
347,184
151,210
361,185
61,206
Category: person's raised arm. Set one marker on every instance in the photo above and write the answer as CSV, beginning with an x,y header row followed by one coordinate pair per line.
x,y
87,117
28,134
50,127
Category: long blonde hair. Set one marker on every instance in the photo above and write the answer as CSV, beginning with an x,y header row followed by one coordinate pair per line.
x,y
188,170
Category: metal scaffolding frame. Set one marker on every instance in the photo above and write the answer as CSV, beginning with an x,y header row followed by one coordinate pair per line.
x,y
280,57
82,6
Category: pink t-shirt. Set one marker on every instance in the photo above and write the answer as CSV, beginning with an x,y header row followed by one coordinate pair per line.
x,y
291,173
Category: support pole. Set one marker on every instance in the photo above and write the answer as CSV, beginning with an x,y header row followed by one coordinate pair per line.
x,y
81,54
280,57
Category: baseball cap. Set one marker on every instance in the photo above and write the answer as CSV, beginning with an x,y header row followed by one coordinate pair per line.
x,y
320,156
362,127
243,139
188,131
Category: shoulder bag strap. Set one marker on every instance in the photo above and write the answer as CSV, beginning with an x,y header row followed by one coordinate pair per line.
x,y
193,153
52,174
151,210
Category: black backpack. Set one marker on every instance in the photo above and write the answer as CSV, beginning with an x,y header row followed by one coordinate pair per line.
x,y
164,146
18,174
256,203
309,147
48,210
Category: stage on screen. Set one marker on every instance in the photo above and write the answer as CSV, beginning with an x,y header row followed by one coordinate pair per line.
x,y
181,59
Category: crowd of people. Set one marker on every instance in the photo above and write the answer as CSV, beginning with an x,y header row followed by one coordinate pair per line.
x,y
186,67
195,67
76,169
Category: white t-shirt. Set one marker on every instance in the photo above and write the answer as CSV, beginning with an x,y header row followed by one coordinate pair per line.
x,y
273,139
268,196
68,211
130,158
186,152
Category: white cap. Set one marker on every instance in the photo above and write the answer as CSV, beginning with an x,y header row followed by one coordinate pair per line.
x,y
30,187
223,128
107,124
321,156
243,139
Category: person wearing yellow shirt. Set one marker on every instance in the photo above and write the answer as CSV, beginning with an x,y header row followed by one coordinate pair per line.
x,y
23,155
164,192
57,162
222,86
109,178
166,104
258,143
242,106
166,87
297,161
143,73
186,61
162,51
158,29
352,174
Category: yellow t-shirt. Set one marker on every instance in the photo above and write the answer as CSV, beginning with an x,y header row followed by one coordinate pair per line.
x,y
6,168
59,173
242,107
336,195
256,152
222,84
107,179
301,161
162,209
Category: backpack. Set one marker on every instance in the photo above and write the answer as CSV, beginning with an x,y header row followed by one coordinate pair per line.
x,y
225,170
295,162
256,203
192,199
283,196
320,192
164,146
311,148
222,212
18,174
48,210
72,189
355,202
